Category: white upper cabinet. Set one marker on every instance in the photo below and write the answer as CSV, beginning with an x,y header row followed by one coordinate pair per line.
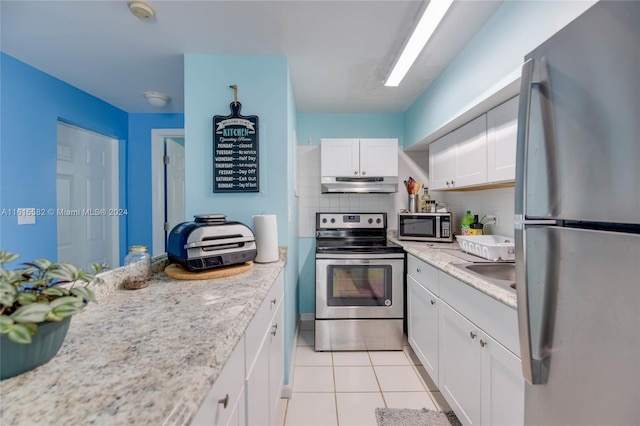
x,y
502,127
459,159
359,157
480,153
471,153
442,161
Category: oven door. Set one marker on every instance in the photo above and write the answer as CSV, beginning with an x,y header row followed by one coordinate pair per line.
x,y
359,286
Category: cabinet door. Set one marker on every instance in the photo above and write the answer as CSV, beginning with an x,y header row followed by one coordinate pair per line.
x,y
378,157
442,162
502,390
340,157
276,361
471,153
422,324
459,362
258,387
502,126
228,386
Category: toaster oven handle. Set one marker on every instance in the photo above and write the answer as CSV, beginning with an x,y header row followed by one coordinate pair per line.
x,y
218,242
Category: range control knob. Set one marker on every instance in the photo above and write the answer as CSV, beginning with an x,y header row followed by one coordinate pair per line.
x,y
378,220
370,220
324,220
333,220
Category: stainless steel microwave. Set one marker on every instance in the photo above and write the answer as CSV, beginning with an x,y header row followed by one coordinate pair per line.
x,y
425,227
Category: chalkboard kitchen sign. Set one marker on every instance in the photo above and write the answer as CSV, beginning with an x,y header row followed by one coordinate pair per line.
x,y
235,152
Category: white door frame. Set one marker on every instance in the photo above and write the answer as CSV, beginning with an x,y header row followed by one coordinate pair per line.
x,y
157,185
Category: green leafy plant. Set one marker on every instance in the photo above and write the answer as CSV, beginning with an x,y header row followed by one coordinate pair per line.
x,y
40,291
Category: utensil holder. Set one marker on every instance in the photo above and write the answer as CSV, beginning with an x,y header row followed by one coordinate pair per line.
x,y
412,203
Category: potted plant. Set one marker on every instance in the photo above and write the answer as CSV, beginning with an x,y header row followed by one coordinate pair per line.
x,y
37,301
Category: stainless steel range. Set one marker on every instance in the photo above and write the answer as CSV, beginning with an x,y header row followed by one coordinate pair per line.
x,y
359,284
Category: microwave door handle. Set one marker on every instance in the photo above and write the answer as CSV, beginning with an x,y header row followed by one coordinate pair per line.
x,y
438,233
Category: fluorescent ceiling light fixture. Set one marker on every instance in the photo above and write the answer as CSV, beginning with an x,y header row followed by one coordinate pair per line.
x,y
433,14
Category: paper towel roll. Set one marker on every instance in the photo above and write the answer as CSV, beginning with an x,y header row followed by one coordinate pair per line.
x,y
265,229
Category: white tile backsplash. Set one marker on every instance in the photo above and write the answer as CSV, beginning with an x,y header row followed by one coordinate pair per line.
x,y
311,200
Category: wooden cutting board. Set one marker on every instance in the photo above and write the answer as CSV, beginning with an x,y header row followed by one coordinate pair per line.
x,y
176,272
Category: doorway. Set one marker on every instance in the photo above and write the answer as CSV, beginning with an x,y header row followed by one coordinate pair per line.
x,y
87,197
167,170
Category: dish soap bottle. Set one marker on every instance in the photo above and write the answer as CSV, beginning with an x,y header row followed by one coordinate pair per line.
x,y
476,227
465,224
425,201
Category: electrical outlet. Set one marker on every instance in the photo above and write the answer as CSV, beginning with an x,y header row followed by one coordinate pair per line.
x,y
491,219
496,222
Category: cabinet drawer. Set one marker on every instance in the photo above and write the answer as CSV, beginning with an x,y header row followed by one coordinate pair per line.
x,y
261,323
424,273
494,318
230,386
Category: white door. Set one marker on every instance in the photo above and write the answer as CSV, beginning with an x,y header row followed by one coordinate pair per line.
x,y
87,197
159,186
174,173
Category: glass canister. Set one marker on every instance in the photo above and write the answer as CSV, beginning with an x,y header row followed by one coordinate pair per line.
x,y
137,266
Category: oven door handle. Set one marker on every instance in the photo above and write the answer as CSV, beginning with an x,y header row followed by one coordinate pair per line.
x,y
357,256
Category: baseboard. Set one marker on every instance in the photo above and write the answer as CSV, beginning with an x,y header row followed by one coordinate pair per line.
x,y
308,317
287,389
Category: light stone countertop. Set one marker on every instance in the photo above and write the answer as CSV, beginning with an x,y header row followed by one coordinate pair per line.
x,y
433,254
147,356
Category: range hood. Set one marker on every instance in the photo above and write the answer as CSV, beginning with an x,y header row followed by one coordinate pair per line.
x,y
362,185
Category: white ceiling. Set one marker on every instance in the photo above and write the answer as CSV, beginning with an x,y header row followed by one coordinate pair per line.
x,y
339,51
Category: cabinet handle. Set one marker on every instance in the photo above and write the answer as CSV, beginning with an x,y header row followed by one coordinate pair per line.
x,y
274,329
364,172
224,401
355,172
273,301
483,343
433,302
418,270
447,183
472,334
452,183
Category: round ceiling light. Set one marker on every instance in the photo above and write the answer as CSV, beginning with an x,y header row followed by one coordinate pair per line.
x,y
141,9
157,99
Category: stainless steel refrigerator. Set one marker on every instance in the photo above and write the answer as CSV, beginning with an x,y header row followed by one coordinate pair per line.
x,y
578,221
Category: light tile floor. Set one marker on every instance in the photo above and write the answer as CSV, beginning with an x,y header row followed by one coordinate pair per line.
x,y
345,388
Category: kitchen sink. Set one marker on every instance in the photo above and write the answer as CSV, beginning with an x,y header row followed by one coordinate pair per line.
x,y
501,274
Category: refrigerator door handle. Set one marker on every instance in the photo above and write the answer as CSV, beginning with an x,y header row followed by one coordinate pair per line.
x,y
524,112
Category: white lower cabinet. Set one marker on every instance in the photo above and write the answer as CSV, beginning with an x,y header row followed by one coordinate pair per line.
x,y
225,403
502,385
248,389
265,358
422,325
460,365
453,329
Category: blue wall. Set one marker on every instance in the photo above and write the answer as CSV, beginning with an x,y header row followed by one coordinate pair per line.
x,y
32,103
139,172
264,89
492,59
318,125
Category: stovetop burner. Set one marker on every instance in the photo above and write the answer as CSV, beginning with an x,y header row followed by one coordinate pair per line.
x,y
353,233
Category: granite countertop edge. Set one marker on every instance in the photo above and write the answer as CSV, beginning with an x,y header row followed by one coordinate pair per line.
x,y
432,254
145,356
